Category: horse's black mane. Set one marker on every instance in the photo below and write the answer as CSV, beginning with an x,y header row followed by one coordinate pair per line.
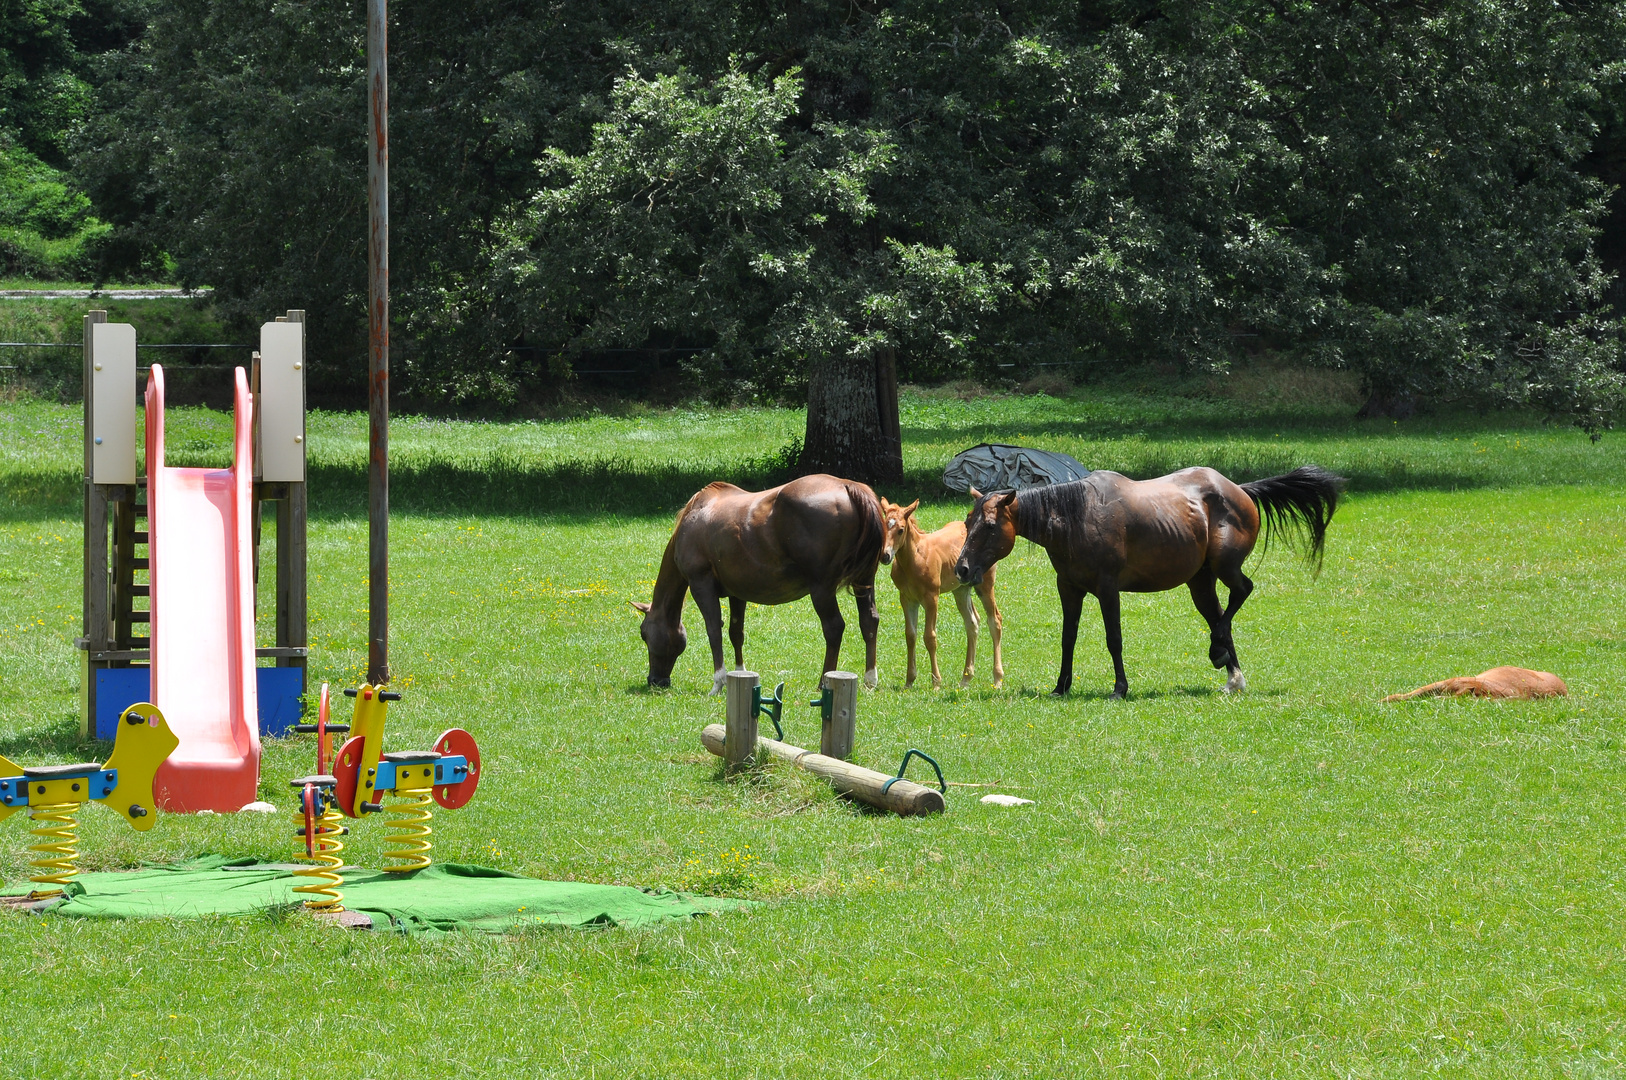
x,y
1040,511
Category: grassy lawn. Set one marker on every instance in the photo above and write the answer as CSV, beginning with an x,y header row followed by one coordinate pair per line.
x,y
1296,881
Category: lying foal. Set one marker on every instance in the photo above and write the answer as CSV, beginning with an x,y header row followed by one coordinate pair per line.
x,y
923,567
1498,682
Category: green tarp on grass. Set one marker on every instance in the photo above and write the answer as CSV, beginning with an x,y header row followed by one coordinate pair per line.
x,y
445,896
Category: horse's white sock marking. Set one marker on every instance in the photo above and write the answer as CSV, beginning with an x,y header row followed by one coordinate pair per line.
x,y
872,679
1236,683
719,681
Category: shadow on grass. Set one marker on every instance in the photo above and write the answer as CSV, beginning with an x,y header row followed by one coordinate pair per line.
x,y
63,740
506,485
1172,693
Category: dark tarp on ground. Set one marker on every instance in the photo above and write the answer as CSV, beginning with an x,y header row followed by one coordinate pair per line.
x,y
444,896
997,467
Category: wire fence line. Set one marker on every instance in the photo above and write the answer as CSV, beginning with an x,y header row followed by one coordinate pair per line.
x,y
81,344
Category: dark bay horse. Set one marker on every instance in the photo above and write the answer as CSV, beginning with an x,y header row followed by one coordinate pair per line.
x,y
1108,534
810,537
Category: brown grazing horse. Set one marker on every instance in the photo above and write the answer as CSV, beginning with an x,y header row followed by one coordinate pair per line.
x,y
1108,534
1498,682
809,537
922,568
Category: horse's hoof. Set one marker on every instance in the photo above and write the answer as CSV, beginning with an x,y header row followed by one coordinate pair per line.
x,y
719,683
1118,694
1236,683
872,679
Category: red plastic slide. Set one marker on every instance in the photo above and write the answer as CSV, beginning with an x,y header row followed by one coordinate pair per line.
x,y
200,544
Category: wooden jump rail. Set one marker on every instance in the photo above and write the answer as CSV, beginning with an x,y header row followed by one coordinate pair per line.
x,y
738,743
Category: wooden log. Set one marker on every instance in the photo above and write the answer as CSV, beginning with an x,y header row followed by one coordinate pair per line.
x,y
902,797
740,736
838,730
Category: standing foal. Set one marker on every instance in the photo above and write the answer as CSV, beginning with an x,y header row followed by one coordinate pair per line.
x,y
923,567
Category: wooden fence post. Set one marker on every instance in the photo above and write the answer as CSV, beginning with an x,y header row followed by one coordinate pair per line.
x,y
740,746
837,733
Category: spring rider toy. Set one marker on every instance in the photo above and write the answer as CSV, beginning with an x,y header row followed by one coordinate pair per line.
x,y
362,776
318,820
54,794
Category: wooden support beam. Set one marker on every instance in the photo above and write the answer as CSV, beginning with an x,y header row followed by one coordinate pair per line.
x,y
144,654
292,617
123,576
903,797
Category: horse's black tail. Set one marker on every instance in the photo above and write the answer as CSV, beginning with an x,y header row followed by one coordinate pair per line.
x,y
865,554
1303,499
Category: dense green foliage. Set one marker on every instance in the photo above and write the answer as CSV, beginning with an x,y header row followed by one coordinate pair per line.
x,y
1396,189
47,51
1297,881
46,225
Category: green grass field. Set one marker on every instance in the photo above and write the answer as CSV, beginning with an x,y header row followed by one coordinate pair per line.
x,y
1296,881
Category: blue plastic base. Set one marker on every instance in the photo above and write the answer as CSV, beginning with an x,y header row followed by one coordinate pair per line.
x,y
279,689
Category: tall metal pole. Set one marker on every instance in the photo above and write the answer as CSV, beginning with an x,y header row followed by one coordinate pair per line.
x,y
378,341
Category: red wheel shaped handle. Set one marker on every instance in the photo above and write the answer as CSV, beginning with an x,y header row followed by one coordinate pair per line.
x,y
458,741
347,770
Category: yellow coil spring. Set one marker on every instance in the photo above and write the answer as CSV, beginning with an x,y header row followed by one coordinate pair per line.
x,y
408,838
58,832
321,893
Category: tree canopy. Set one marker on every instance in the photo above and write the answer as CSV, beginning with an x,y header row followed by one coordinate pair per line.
x,y
48,49
1399,189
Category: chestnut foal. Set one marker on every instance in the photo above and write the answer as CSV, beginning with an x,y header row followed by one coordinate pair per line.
x,y
923,567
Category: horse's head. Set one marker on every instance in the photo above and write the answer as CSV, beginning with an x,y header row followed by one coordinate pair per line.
x,y
898,520
665,638
990,534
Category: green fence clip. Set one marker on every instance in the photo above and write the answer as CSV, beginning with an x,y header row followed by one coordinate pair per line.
x,y
770,708
928,759
825,703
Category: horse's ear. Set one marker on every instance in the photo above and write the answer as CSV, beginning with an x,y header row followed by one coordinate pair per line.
x,y
976,496
908,511
1004,499
639,606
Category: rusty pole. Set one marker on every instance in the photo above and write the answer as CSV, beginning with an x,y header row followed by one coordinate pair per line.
x,y
378,343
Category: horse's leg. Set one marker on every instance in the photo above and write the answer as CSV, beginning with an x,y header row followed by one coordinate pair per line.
x,y
911,626
869,625
1072,606
1107,593
706,598
930,600
968,615
1240,586
829,612
996,626
736,630
1207,604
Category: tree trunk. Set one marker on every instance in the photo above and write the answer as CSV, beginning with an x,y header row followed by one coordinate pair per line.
x,y
852,420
